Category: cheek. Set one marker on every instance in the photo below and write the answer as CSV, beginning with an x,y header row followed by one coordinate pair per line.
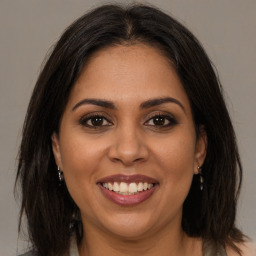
x,y
79,164
176,159
80,154
80,159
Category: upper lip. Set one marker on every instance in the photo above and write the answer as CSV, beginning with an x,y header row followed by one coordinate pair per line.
x,y
127,178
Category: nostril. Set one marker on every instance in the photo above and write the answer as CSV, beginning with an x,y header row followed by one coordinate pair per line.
x,y
139,159
128,154
127,146
127,161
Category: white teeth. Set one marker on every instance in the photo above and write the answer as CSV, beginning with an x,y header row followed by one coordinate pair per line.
x,y
110,187
116,187
127,188
140,186
123,187
150,186
133,188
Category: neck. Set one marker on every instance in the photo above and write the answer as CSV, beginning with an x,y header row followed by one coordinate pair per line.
x,y
167,242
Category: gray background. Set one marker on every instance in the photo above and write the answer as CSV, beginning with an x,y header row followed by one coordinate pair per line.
x,y
28,28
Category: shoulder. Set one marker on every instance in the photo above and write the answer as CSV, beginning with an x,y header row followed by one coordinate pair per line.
x,y
30,253
248,249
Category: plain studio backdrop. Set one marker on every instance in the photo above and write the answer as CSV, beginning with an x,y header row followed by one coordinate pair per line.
x,y
227,30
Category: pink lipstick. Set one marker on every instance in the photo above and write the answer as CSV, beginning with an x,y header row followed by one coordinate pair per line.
x,y
127,190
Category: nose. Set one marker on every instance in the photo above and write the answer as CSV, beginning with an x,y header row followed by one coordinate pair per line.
x,y
128,147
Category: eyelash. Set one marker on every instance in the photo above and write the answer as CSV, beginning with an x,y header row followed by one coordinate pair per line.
x,y
171,120
84,121
89,118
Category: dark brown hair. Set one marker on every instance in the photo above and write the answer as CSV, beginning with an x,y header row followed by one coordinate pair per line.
x,y
52,216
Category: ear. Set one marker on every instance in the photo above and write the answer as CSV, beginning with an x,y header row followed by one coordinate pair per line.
x,y
56,150
201,149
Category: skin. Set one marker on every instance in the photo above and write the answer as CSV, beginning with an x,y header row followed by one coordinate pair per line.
x,y
129,142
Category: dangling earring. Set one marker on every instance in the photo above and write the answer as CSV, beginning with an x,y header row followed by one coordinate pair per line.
x,y
61,175
200,177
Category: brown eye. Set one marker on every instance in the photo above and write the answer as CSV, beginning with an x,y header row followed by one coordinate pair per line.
x,y
160,120
95,121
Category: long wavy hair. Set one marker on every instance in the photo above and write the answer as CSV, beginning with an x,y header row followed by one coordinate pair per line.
x,y
52,216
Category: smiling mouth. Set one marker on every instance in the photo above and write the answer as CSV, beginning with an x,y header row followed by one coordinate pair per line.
x,y
128,190
124,188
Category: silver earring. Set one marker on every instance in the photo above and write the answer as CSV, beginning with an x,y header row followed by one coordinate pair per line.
x,y
61,175
200,177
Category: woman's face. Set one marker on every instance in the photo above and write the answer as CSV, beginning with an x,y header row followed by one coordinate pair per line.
x,y
127,143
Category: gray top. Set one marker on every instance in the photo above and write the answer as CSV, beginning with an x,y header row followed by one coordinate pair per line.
x,y
73,251
209,250
28,254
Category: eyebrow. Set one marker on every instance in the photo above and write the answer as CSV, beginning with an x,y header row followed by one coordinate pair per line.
x,y
97,102
144,105
155,102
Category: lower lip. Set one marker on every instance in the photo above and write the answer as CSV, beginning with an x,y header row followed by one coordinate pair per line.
x,y
127,200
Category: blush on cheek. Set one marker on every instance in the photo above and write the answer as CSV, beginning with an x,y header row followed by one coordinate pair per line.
x,y
178,171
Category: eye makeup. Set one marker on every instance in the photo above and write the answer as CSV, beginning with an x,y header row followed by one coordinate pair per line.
x,y
155,120
160,120
95,121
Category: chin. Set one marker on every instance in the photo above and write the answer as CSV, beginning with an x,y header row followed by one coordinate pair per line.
x,y
131,226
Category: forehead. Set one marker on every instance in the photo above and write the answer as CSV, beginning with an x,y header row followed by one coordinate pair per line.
x,y
128,73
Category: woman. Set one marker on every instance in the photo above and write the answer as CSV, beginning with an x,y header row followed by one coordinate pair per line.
x,y
127,147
